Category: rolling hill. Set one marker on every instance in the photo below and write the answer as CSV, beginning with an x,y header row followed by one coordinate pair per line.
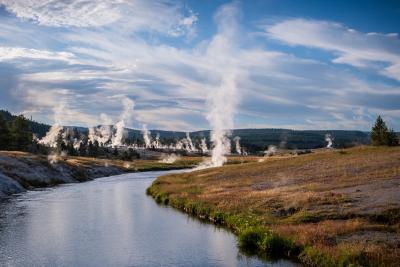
x,y
253,140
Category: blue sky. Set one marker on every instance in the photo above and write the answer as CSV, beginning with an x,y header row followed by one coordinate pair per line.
x,y
297,64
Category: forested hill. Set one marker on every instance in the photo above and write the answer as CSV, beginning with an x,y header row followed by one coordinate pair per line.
x,y
252,140
40,129
259,139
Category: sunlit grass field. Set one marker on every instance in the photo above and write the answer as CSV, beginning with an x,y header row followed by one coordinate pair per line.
x,y
327,208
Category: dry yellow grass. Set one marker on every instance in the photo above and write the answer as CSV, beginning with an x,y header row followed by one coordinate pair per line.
x,y
344,204
128,165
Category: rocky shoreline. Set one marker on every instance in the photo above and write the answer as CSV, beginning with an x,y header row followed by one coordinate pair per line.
x,y
18,174
20,171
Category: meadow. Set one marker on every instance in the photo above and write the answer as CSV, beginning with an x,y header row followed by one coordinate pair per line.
x,y
327,208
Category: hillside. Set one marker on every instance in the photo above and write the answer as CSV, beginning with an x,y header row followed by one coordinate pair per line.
x,y
40,129
328,208
253,140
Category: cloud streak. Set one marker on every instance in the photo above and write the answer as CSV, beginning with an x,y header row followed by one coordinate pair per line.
x,y
134,15
350,46
90,64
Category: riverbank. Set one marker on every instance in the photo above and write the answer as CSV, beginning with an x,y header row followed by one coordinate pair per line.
x,y
21,171
327,208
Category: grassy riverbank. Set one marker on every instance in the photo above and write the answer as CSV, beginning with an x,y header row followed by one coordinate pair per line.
x,y
328,208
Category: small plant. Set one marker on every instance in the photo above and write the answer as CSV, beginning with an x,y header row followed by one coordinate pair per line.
x,y
251,238
262,241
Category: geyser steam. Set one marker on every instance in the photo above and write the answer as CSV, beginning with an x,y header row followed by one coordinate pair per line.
x,y
203,146
120,133
52,135
329,139
146,136
237,145
223,99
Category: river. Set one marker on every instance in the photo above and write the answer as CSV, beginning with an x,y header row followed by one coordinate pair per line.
x,y
110,222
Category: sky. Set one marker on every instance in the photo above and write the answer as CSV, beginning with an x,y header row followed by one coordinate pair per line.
x,y
296,64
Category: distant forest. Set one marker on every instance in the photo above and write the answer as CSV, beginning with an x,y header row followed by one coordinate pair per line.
x,y
253,140
40,129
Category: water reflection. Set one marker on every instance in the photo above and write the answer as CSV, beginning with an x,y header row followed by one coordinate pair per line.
x,y
110,222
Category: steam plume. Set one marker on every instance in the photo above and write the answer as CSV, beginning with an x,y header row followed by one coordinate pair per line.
x,y
169,159
146,136
120,134
237,145
223,99
329,139
156,143
190,147
51,136
203,146
270,151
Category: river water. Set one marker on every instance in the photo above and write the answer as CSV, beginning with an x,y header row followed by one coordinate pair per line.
x,y
110,222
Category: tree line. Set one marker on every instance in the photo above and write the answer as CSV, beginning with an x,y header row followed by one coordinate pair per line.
x,y
16,134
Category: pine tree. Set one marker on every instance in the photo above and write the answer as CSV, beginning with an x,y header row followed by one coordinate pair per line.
x,y
4,134
70,148
21,134
95,149
82,148
90,149
381,135
391,138
60,144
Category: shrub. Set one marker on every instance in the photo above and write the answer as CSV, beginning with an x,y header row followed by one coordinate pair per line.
x,y
262,241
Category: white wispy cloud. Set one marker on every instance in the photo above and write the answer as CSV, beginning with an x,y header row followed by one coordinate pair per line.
x,y
88,65
351,47
133,15
13,53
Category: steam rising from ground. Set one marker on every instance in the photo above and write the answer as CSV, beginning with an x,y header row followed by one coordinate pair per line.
x,y
189,144
146,136
50,139
270,151
120,134
53,158
104,133
203,146
329,139
223,99
169,159
238,148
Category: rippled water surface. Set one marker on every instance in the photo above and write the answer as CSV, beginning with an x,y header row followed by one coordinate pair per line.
x,y
110,222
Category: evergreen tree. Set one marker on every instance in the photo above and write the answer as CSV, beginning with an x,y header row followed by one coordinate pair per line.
x,y
82,148
95,149
21,134
59,143
392,139
379,130
90,149
70,148
4,134
381,135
